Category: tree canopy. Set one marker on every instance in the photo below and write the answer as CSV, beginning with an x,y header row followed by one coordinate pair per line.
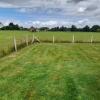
x,y
73,28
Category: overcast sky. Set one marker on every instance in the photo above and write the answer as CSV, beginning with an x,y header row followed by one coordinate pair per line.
x,y
50,12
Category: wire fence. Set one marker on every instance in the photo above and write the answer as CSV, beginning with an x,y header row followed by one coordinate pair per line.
x,y
34,39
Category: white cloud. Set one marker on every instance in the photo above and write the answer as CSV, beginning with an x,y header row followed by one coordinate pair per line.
x,y
69,9
6,22
4,5
83,20
48,23
22,10
42,23
65,6
81,9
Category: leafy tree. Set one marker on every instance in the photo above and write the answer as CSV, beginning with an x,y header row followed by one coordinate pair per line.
x,y
86,28
95,28
54,29
73,28
44,29
63,28
11,26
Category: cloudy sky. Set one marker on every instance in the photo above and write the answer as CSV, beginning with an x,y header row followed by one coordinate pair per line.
x,y
50,12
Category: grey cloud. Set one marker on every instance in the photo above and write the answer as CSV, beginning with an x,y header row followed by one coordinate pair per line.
x,y
75,1
61,6
89,9
16,2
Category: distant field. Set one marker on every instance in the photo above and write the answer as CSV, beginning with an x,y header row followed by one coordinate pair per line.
x,y
6,37
51,72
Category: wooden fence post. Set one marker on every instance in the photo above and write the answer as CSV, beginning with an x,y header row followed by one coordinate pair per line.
x,y
53,39
92,39
73,39
37,39
33,39
15,44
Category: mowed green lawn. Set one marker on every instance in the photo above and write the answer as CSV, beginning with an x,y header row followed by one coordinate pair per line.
x,y
51,72
6,37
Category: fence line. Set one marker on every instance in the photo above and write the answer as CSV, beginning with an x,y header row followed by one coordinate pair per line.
x,y
35,39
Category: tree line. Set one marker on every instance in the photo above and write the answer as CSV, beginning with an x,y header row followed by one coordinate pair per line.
x,y
13,26
73,28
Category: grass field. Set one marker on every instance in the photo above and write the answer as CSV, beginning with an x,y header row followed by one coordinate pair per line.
x,y
6,37
51,72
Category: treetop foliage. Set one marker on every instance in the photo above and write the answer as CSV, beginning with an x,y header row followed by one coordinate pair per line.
x,y
73,28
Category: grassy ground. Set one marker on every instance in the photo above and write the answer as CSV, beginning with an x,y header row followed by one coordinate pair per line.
x,y
6,37
51,72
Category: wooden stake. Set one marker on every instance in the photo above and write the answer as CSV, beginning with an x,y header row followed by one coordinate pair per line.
x,y
15,44
53,39
33,39
73,40
37,39
92,39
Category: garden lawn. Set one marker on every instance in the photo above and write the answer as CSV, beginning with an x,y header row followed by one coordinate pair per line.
x,y
51,72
